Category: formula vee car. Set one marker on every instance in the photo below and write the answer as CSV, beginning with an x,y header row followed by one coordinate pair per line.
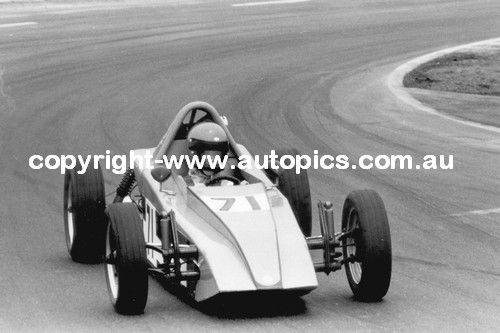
x,y
252,236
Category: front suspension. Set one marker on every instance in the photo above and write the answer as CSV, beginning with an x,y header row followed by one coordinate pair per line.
x,y
328,241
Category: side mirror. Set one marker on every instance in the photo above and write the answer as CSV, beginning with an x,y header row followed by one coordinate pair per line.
x,y
274,174
278,172
160,173
224,120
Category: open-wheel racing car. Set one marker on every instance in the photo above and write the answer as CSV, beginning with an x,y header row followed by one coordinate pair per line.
x,y
220,239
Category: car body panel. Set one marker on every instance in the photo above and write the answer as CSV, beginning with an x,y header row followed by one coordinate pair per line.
x,y
247,236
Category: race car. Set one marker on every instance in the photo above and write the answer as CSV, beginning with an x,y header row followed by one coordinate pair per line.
x,y
252,236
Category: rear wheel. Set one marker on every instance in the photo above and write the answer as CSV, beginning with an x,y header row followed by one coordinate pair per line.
x,y
84,218
125,265
295,187
367,250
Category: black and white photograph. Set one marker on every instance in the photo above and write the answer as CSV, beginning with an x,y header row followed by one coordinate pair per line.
x,y
250,166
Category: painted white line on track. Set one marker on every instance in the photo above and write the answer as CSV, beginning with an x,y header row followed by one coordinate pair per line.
x,y
264,3
479,212
20,24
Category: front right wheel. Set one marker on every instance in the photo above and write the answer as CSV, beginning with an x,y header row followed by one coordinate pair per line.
x,y
367,247
125,259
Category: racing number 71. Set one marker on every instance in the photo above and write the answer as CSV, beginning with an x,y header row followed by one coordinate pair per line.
x,y
229,202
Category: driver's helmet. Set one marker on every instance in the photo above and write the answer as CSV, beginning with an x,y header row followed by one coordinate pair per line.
x,y
208,139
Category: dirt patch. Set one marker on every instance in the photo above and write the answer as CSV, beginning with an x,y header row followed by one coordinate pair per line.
x,y
469,72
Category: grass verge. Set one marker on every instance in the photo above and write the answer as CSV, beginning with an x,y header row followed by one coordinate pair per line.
x,y
466,72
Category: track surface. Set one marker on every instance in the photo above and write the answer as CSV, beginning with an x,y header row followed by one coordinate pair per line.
x,y
308,74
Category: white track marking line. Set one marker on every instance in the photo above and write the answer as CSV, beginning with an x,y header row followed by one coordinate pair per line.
x,y
479,212
20,24
264,3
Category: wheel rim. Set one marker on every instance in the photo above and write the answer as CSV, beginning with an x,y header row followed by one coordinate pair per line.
x,y
69,219
111,271
355,268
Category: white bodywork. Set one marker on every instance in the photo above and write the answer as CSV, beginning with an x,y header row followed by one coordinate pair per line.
x,y
247,236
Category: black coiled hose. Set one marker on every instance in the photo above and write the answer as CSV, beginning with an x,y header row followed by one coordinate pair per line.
x,y
125,186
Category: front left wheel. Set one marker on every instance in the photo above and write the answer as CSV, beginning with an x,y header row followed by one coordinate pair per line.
x,y
367,247
126,267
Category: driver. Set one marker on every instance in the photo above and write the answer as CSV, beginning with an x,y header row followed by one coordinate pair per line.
x,y
209,140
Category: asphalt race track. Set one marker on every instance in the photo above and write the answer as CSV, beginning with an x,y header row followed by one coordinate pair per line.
x,y
309,74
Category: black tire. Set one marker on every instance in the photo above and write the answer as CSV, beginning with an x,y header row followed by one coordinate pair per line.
x,y
84,218
370,275
125,266
295,187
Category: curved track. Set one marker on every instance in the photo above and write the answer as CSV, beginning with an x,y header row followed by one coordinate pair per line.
x,y
311,75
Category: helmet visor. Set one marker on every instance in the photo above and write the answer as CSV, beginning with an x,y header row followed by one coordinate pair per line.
x,y
212,159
